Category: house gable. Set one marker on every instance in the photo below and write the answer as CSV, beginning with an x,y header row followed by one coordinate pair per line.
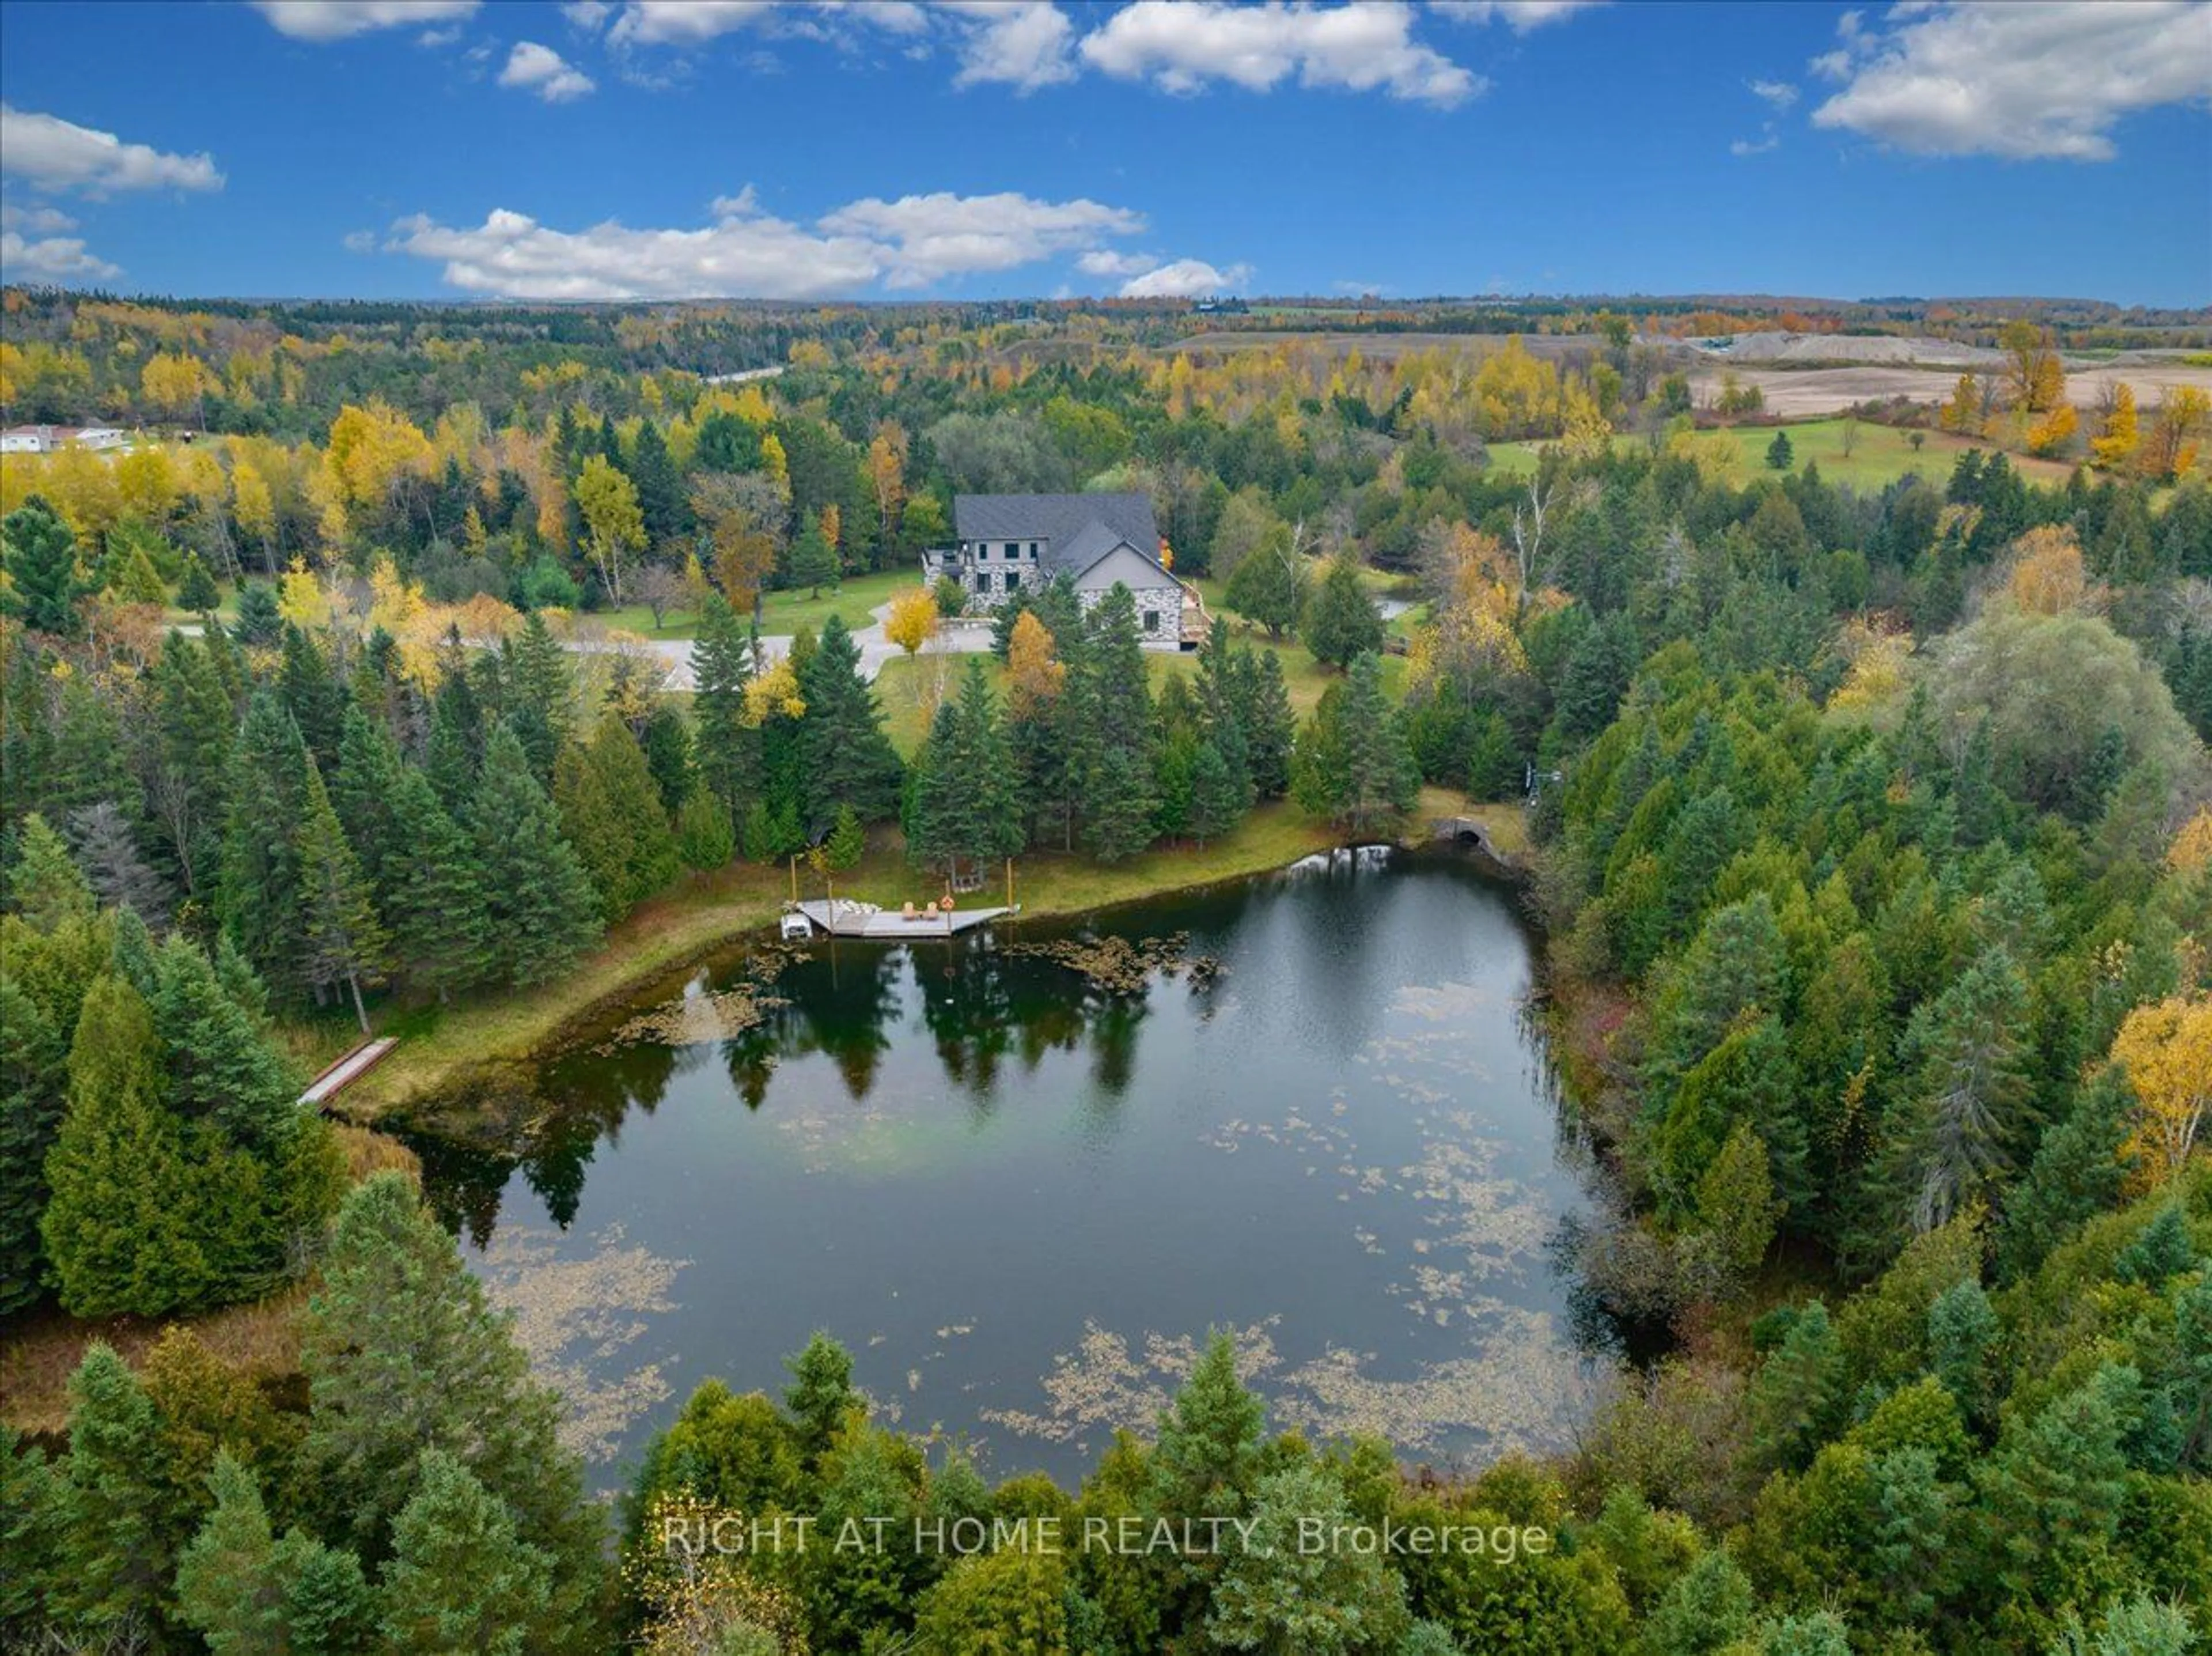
x,y
1126,564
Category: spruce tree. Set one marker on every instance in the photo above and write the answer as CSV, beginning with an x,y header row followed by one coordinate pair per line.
x,y
1354,764
124,1520
413,1376
262,896
1271,729
196,727
813,561
661,500
198,593
1217,803
1951,1130
459,1577
45,884
846,759
539,902
667,743
1341,621
2078,1172
39,551
316,701
226,1586
725,750
964,808
1109,706
119,876
541,693
341,941
820,1398
220,1064
260,621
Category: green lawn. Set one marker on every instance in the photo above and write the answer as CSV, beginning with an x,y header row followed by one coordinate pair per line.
x,y
1880,453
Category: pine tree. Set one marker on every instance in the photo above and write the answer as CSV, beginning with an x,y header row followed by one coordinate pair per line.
x,y
220,1063
1206,1462
541,693
539,902
964,809
1109,710
666,740
408,1365
458,1578
315,700
1354,764
726,749
2078,1172
1341,621
341,941
226,1586
39,551
611,815
848,840
32,1060
820,1398
846,759
1779,453
1281,1592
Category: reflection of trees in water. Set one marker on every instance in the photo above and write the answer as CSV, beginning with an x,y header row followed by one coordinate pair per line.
x,y
463,1185
968,1006
841,1003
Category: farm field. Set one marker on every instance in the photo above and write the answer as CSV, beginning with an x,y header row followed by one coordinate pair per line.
x,y
1880,453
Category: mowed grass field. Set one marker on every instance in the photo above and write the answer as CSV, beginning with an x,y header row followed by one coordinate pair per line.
x,y
1880,453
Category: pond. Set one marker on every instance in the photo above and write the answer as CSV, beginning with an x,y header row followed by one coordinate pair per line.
x,y
1021,1173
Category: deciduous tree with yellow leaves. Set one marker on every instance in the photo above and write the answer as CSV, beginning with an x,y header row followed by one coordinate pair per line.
x,y
2166,1050
2115,445
614,527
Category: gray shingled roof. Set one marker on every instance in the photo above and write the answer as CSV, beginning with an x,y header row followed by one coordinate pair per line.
x,y
1079,529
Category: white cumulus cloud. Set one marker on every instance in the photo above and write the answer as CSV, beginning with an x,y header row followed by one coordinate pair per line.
x,y
335,20
2045,81
908,242
1519,16
1186,278
680,23
1104,261
544,72
1778,95
1185,45
933,237
52,153
50,259
1024,45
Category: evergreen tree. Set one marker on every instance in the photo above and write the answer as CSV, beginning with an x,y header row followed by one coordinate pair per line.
x,y
1354,764
964,810
1960,1112
118,875
263,896
847,759
2078,1172
1217,803
196,727
1281,1592
667,743
1109,710
848,840
459,1577
412,1377
820,1398
1206,1464
704,838
1341,621
260,622
198,593
315,700
46,885
247,1593
813,561
39,551
1268,586
1271,727
123,1522
539,902
124,1225
220,1064
611,815
542,694
1779,453
1705,1612
1796,1397
341,941
662,501
726,749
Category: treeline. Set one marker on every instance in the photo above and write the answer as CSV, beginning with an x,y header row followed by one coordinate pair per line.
x,y
1935,1467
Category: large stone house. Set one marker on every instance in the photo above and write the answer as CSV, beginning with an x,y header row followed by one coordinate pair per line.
x,y
1012,542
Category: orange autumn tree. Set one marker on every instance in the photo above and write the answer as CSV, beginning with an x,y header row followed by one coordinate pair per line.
x,y
2165,1048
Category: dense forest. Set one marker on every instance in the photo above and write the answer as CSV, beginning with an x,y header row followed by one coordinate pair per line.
x,y
1871,841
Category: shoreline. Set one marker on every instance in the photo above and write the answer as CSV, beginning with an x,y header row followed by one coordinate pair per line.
x,y
469,1045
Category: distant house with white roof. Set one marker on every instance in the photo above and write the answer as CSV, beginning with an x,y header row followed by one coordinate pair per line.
x,y
1013,543
45,439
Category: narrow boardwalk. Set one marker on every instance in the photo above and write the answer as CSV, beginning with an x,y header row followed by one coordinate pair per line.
x,y
347,1070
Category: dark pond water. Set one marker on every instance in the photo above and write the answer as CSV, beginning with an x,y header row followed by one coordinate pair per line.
x,y
1019,1197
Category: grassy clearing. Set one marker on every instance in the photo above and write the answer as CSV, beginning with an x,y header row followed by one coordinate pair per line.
x,y
1880,453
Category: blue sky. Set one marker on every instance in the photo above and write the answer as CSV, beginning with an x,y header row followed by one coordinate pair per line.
x,y
670,148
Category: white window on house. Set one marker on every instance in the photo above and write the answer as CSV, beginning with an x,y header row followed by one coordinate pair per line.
x,y
1151,620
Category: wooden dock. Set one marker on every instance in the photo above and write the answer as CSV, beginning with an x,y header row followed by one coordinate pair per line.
x,y
347,1070
842,917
